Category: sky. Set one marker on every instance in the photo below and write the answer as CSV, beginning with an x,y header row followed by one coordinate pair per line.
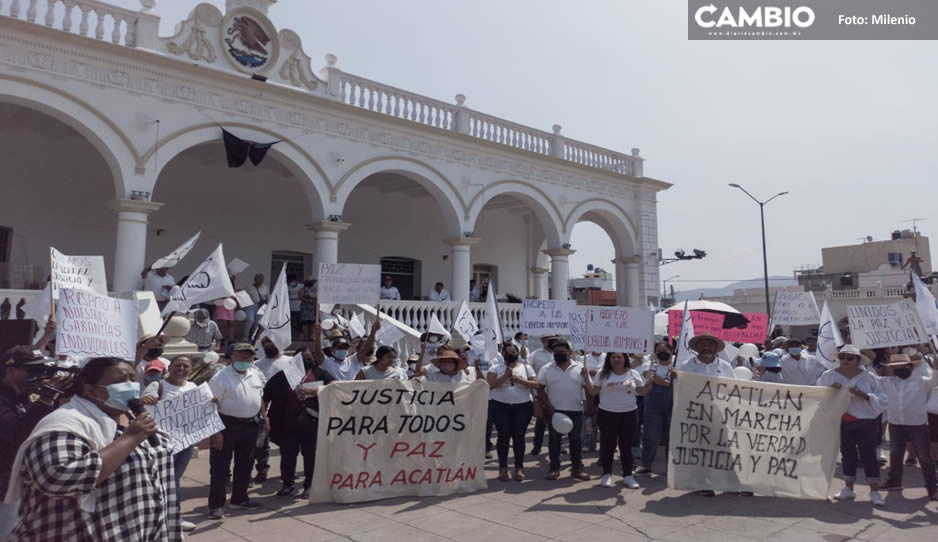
x,y
848,128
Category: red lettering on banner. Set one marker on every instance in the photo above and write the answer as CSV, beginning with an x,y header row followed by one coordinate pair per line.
x,y
436,451
420,449
400,478
399,446
362,480
366,449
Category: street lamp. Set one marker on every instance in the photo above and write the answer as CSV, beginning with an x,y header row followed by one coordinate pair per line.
x,y
665,286
765,258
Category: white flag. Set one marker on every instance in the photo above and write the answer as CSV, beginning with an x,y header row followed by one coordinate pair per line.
x,y
208,282
356,326
925,305
437,328
276,319
828,339
687,333
175,256
465,324
491,327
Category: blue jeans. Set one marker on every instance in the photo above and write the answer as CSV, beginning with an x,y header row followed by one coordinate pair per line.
x,y
576,442
180,462
250,320
657,424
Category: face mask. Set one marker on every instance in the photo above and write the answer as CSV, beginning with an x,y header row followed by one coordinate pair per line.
x,y
902,373
795,350
561,357
120,393
433,339
242,366
773,369
511,358
154,353
340,354
663,356
153,378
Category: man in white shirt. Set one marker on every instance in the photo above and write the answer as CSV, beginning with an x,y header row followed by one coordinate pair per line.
x,y
561,386
238,391
160,282
388,290
539,359
798,369
594,362
336,359
294,287
438,293
474,292
907,396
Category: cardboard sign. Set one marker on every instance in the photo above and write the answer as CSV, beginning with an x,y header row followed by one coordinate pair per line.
x,y
795,309
704,322
771,439
879,326
390,438
94,325
541,317
754,333
189,417
77,273
341,283
577,329
619,329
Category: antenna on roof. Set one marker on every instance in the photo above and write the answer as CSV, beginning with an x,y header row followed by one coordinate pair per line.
x,y
915,222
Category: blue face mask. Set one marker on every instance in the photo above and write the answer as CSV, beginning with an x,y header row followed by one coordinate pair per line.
x,y
153,378
242,366
795,350
340,354
120,393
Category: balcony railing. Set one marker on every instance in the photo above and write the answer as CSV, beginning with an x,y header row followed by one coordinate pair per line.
x,y
89,18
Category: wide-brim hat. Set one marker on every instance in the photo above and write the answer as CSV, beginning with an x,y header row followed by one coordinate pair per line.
x,y
445,356
898,360
692,344
770,360
781,339
851,350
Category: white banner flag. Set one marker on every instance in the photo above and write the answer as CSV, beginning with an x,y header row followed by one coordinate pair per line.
x,y
341,283
276,319
772,439
77,273
189,417
828,339
436,327
92,325
683,341
465,324
356,326
389,438
294,370
926,305
879,326
619,329
541,317
174,257
207,283
795,309
491,326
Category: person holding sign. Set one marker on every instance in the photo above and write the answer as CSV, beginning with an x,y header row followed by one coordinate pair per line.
x,y
658,405
511,384
383,368
617,385
336,359
859,427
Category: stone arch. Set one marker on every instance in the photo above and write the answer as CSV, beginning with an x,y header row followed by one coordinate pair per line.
x,y
612,219
287,153
428,177
540,203
106,137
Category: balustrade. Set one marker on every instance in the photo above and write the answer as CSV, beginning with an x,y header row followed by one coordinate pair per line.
x,y
113,23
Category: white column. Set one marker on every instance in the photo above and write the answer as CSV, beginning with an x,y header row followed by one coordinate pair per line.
x,y
559,272
327,242
622,281
541,286
633,282
130,251
461,261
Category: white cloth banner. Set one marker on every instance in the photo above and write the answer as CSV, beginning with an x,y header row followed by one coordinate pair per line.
x,y
174,257
541,317
189,417
77,273
771,439
436,327
879,326
93,325
577,329
828,339
465,324
491,327
389,438
619,329
276,319
208,282
926,305
684,352
795,309
344,283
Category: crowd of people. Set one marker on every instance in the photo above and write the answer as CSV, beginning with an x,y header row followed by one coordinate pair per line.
x,y
73,463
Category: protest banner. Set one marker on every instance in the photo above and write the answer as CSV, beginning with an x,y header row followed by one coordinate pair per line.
x,y
771,439
174,257
94,325
541,317
619,329
704,322
276,319
465,324
390,438
879,326
342,283
77,273
188,418
829,339
795,309
577,328
926,305
754,332
208,282
682,351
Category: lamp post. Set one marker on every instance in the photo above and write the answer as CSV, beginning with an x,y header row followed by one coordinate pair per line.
x,y
765,257
664,294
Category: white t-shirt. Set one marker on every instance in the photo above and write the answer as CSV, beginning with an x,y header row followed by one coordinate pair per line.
x,y
594,363
506,393
239,395
617,392
258,294
442,295
169,390
346,369
294,292
564,387
390,293
539,359
392,373
160,286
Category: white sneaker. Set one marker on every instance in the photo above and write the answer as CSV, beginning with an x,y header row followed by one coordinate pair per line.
x,y
187,525
846,494
606,481
630,482
877,498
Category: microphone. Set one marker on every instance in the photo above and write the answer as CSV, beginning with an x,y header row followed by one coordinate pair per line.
x,y
136,406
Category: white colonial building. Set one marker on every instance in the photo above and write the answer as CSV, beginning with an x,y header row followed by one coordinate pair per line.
x,y
113,143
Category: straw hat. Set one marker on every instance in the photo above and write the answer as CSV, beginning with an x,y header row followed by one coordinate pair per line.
x,y
445,355
692,344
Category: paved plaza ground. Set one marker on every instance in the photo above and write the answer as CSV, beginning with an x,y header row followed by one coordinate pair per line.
x,y
565,510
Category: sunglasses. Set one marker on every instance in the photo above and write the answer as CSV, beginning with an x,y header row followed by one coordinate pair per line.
x,y
848,357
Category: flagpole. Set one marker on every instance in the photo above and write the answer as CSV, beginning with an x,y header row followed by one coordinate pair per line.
x,y
52,287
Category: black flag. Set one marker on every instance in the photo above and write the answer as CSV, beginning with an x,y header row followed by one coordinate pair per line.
x,y
239,150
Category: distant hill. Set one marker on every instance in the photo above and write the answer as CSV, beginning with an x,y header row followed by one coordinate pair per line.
x,y
774,282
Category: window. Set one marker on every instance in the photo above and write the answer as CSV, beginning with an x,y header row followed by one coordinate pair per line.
x,y
895,259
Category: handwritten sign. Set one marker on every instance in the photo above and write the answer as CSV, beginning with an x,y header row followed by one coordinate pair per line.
x,y
541,317
753,333
879,326
795,309
77,273
92,325
619,329
389,438
577,324
188,418
342,283
704,322
771,439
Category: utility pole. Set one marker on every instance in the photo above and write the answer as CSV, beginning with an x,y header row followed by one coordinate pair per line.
x,y
915,222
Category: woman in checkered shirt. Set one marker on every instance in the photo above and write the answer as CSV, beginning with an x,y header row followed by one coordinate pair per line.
x,y
87,472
